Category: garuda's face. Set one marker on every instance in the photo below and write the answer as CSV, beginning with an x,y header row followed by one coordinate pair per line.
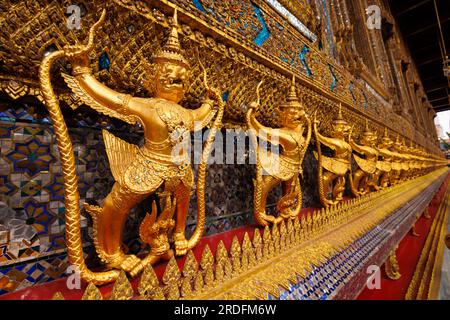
x,y
292,117
386,143
171,81
369,139
340,129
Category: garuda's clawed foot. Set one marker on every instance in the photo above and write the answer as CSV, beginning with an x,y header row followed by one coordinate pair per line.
x,y
267,220
150,259
181,244
129,263
124,262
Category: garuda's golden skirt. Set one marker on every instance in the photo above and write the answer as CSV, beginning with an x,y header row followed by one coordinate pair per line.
x,y
280,166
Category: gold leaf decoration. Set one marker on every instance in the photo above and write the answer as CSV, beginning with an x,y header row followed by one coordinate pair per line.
x,y
221,253
171,278
228,269
257,244
58,296
267,242
198,282
172,272
186,288
283,236
276,239
206,263
236,255
190,267
122,289
92,293
149,287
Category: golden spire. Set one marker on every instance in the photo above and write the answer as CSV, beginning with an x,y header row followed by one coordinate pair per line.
x,y
386,138
171,51
339,119
292,100
397,140
292,92
367,131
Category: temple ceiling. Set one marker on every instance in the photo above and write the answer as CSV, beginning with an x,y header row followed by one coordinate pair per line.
x,y
419,25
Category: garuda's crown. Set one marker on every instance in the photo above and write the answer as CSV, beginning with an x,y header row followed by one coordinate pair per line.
x,y
339,119
367,132
171,51
292,100
386,138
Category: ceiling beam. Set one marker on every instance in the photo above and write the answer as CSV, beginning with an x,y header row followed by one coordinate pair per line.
x,y
439,99
417,31
434,59
434,77
443,107
412,7
436,89
433,45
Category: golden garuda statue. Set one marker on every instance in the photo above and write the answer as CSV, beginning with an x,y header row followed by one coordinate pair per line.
x,y
361,180
332,170
286,167
406,160
384,163
413,162
138,171
418,165
397,163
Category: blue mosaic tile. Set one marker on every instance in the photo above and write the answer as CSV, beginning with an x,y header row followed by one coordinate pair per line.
x,y
302,55
264,34
39,216
31,157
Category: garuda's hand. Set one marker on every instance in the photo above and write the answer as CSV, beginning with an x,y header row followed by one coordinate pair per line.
x,y
79,54
316,121
254,106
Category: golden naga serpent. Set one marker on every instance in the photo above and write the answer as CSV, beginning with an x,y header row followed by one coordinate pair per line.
x,y
195,238
258,182
353,188
67,158
71,194
322,196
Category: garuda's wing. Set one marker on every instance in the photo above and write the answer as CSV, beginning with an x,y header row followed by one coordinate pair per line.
x,y
120,154
337,166
77,89
365,165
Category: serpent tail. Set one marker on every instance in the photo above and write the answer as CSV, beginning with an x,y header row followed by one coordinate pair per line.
x,y
71,194
67,158
198,232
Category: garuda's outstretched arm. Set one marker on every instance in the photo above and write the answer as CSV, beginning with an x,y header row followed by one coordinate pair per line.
x,y
94,93
356,147
309,133
329,142
263,132
204,114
